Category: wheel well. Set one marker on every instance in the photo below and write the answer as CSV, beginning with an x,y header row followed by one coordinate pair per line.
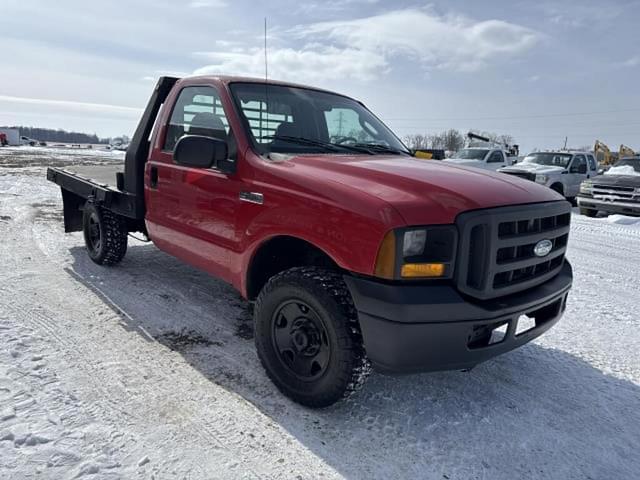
x,y
558,187
279,254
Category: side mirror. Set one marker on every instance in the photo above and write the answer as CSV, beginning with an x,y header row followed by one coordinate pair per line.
x,y
601,171
203,152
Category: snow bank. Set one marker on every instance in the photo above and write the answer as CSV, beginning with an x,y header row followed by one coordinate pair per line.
x,y
624,220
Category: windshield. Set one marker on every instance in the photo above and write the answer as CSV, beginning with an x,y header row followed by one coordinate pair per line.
x,y
548,158
298,120
471,153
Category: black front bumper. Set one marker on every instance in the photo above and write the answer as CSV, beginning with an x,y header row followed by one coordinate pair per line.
x,y
414,328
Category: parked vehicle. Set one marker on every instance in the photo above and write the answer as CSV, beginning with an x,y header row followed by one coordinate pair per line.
x,y
28,141
562,171
481,152
481,157
355,253
616,191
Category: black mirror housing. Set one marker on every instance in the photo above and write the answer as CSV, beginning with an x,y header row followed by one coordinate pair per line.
x,y
202,152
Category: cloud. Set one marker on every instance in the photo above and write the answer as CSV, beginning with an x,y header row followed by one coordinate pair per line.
x,y
68,105
581,15
631,62
364,49
207,4
444,42
314,64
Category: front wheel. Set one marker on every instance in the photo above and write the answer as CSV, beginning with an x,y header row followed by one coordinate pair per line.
x,y
308,337
588,212
105,235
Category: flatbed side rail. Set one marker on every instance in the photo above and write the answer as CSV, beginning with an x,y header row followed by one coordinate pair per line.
x,y
76,190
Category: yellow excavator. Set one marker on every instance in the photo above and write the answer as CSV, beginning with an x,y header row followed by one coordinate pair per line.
x,y
626,152
604,156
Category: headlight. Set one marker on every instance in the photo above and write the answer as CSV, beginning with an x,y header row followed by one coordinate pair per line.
x,y
587,188
426,252
414,242
541,179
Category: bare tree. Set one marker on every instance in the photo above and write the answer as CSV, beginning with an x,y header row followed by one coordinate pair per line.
x,y
416,141
452,140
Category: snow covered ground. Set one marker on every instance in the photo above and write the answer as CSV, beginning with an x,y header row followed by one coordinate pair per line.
x,y
147,370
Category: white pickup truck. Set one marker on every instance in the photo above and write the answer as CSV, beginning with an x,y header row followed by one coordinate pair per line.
x,y
562,171
481,157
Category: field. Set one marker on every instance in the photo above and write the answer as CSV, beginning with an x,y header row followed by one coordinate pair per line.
x,y
147,370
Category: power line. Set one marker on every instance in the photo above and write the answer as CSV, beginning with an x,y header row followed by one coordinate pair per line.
x,y
512,117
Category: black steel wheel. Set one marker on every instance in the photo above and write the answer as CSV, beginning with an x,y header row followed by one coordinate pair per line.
x,y
308,337
105,235
93,234
300,339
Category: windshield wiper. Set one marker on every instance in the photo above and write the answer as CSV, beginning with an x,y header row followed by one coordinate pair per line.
x,y
334,147
377,147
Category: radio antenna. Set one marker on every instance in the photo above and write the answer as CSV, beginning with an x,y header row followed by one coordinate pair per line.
x,y
266,68
266,80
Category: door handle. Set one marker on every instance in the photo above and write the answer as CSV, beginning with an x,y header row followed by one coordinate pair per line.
x,y
153,177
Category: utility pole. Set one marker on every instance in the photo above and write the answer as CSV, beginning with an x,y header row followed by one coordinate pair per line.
x,y
340,121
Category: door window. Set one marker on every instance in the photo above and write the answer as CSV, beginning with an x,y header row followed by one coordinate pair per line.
x,y
592,162
496,157
579,164
197,111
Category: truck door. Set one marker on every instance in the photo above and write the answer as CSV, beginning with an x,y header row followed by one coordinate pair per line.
x,y
496,160
191,212
578,171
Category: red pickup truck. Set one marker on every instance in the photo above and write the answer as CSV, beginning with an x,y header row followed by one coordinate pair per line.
x,y
356,253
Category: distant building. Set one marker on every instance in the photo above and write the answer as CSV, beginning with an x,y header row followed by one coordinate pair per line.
x,y
13,135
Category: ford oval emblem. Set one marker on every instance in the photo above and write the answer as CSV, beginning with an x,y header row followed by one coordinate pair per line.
x,y
543,248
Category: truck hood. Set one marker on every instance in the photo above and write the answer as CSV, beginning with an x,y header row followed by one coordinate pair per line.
x,y
617,180
422,191
533,168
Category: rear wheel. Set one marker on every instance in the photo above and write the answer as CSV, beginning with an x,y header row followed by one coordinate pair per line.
x,y
308,337
105,235
588,212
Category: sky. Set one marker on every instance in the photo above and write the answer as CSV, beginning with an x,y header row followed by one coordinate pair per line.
x,y
537,70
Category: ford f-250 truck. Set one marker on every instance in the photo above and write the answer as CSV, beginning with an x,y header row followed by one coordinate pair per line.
x,y
355,253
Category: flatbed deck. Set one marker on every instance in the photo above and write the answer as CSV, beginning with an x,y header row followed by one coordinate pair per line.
x,y
95,183
99,174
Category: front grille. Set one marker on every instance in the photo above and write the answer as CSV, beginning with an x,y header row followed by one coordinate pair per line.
x,y
496,256
615,192
523,174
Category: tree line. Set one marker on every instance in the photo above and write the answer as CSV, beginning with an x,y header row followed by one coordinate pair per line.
x,y
59,135
450,140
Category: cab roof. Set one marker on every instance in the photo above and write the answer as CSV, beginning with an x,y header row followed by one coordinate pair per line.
x,y
228,79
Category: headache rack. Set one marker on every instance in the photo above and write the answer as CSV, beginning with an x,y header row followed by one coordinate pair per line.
x,y
496,249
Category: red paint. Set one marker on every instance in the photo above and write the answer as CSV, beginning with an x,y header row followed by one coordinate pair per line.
x,y
342,204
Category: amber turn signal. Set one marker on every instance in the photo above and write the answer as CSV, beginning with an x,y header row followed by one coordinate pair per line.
x,y
424,270
386,259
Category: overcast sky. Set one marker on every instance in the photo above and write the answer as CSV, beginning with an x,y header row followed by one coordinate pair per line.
x,y
534,69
